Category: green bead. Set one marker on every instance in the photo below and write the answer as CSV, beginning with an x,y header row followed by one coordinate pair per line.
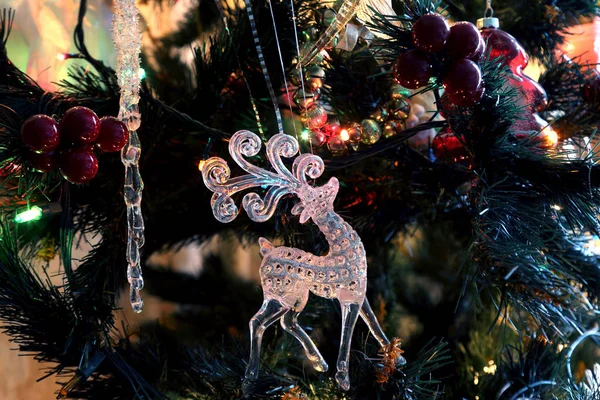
x,y
399,92
371,131
400,108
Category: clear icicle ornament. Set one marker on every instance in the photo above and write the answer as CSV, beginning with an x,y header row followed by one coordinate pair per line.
x,y
127,39
288,274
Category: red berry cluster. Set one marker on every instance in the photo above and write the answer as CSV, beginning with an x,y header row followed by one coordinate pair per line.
x,y
458,47
70,144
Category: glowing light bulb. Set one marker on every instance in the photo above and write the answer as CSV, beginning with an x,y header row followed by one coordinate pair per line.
x,y
552,138
141,73
304,135
344,135
201,164
33,214
61,56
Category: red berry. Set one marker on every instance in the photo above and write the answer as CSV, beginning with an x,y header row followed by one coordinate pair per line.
x,y
40,133
430,33
412,69
113,135
464,41
78,165
463,83
80,125
42,162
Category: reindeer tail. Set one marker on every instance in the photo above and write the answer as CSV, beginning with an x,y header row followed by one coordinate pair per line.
x,y
265,246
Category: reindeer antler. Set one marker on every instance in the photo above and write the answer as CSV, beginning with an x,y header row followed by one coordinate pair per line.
x,y
216,175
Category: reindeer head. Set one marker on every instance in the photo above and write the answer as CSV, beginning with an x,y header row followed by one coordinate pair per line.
x,y
314,201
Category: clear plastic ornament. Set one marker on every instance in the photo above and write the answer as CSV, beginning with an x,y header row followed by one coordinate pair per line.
x,y
127,39
288,274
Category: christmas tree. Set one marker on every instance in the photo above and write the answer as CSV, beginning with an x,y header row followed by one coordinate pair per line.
x,y
400,136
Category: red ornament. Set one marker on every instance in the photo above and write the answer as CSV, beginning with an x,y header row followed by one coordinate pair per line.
x,y
79,126
45,162
447,147
412,69
40,133
78,165
318,138
113,136
502,44
463,83
430,33
464,41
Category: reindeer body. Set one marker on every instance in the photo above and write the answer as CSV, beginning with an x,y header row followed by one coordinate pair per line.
x,y
288,275
287,270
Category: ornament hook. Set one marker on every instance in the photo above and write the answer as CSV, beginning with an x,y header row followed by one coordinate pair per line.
x,y
489,11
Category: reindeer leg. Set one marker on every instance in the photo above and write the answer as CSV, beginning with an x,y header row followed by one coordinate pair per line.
x,y
367,314
269,312
289,322
350,311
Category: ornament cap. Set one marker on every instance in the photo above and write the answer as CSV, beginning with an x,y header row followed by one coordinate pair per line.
x,y
488,22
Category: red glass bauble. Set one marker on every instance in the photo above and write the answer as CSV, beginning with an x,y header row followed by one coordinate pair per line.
x,y
447,147
430,33
534,93
79,126
412,69
502,44
113,136
45,162
78,165
464,41
463,83
40,133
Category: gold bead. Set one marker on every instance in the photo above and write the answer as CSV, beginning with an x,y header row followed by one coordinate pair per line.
x,y
305,98
314,76
371,131
392,127
354,132
380,115
295,76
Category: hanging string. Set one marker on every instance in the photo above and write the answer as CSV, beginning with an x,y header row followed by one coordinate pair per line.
x,y
237,58
263,65
285,84
300,69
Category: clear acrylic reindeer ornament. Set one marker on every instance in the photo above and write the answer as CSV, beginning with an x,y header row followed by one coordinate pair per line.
x,y
289,274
